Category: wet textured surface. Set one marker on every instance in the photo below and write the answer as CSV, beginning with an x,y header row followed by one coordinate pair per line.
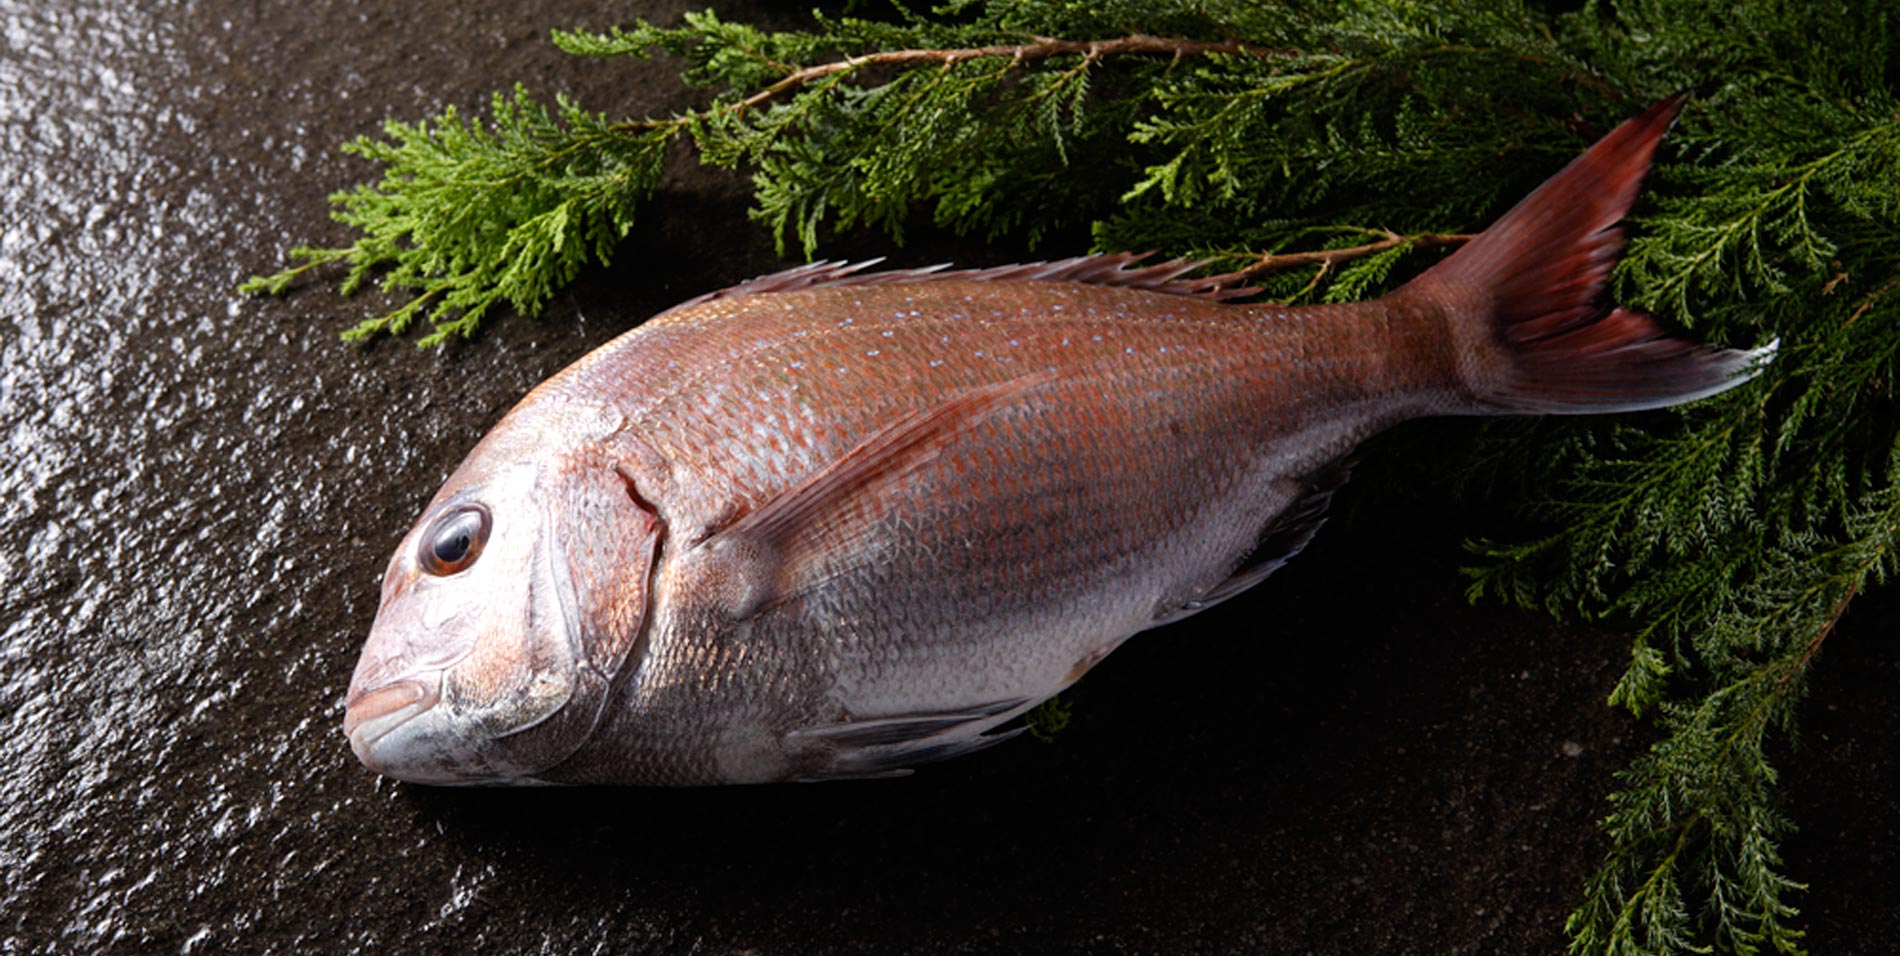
x,y
200,493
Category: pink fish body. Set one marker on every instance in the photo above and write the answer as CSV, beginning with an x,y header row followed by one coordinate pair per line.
x,y
831,524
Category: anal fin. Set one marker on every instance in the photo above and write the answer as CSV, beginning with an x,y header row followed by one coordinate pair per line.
x,y
1286,535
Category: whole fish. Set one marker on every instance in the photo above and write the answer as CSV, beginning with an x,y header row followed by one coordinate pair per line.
x,y
837,524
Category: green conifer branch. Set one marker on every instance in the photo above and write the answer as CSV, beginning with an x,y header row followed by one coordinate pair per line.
x,y
472,213
1325,152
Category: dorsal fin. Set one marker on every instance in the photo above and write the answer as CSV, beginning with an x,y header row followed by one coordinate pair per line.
x,y
1112,269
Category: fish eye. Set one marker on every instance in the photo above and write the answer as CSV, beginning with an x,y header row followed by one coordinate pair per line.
x,y
455,540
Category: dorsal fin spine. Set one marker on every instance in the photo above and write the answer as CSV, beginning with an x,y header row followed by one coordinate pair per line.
x,y
1119,269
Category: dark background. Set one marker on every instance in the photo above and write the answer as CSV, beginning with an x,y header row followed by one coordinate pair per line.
x,y
200,492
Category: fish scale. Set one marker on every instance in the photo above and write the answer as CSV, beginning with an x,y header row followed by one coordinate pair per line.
x,y
1007,565
837,523
1120,344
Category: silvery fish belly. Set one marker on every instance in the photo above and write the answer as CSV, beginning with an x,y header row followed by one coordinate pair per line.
x,y
835,523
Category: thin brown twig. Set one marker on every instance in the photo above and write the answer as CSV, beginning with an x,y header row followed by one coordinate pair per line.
x,y
1319,275
1042,48
1813,648
1868,302
1326,259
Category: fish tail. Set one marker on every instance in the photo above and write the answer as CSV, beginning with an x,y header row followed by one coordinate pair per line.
x,y
1525,298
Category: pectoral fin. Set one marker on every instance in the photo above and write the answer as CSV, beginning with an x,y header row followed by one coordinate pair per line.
x,y
890,746
826,512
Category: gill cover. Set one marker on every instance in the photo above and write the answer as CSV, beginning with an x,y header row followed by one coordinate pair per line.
x,y
597,548
602,538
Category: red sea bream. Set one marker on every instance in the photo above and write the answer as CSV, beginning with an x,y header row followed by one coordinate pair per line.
x,y
832,523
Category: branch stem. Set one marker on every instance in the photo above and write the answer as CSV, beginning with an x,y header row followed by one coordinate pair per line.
x,y
1042,48
1326,259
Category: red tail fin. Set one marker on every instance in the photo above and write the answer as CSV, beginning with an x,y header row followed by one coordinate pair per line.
x,y
1526,297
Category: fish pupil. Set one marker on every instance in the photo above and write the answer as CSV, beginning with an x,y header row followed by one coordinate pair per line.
x,y
451,547
456,541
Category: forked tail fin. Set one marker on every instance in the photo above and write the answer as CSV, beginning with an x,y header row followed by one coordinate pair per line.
x,y
1525,298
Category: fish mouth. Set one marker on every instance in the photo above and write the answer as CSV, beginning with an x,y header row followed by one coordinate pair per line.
x,y
371,715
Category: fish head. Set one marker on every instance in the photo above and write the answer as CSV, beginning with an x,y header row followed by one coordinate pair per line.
x,y
505,613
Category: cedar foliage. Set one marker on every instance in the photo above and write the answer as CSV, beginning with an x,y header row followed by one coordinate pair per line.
x,y
1324,147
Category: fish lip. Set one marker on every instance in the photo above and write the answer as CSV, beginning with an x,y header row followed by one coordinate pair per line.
x,y
372,714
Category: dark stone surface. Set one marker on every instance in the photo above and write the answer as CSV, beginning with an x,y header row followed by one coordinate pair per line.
x,y
201,491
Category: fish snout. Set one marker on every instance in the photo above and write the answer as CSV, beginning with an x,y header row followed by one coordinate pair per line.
x,y
372,714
